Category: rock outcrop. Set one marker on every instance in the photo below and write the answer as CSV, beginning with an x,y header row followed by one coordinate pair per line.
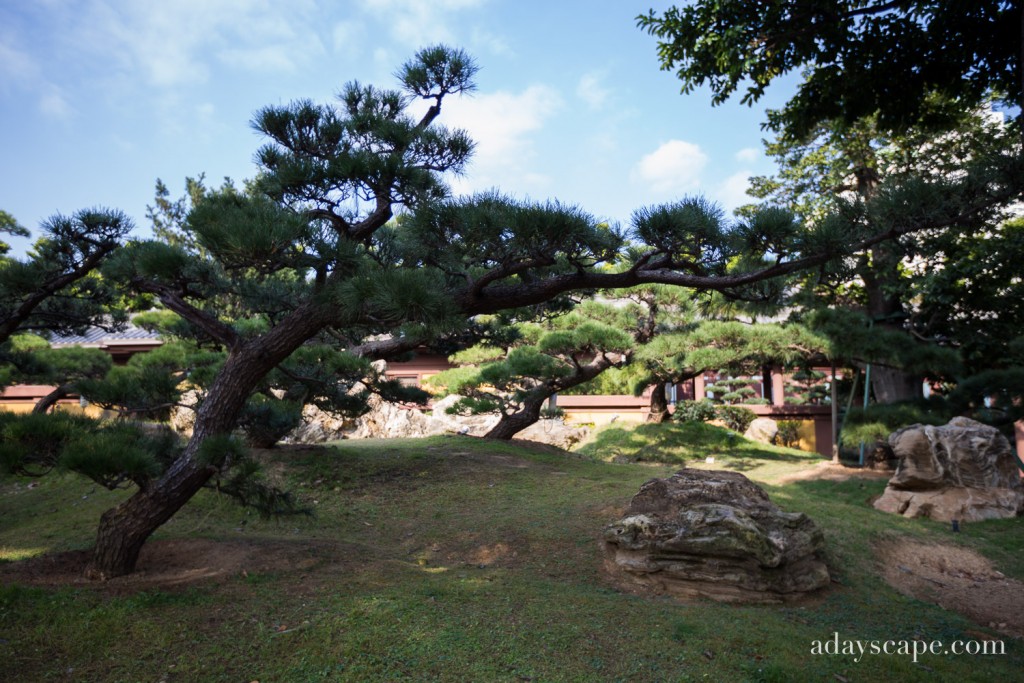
x,y
714,534
762,429
387,420
963,470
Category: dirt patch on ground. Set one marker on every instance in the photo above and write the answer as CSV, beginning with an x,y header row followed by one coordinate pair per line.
x,y
169,564
833,472
956,579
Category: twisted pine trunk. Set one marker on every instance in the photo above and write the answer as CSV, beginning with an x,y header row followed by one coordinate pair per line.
x,y
511,424
123,530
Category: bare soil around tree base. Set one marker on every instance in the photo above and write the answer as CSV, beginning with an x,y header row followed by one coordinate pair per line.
x,y
956,579
175,563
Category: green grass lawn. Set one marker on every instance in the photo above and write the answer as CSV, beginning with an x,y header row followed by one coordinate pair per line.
x,y
456,559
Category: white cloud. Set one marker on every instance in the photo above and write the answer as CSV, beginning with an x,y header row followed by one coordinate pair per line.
x,y
503,124
173,44
15,65
269,58
382,57
590,90
673,168
484,40
748,155
19,70
732,192
346,35
206,111
418,22
53,104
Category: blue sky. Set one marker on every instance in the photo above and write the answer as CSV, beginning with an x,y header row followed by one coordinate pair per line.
x,y
102,97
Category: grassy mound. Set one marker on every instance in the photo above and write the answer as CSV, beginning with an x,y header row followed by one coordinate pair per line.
x,y
456,559
690,444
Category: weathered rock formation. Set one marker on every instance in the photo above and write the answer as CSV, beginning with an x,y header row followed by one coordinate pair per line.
x,y
714,534
963,470
762,429
388,420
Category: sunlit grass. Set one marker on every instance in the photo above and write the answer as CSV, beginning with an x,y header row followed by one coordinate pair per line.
x,y
693,444
14,554
458,559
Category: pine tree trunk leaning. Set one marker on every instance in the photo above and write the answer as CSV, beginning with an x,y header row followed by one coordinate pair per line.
x,y
658,410
51,399
123,530
511,424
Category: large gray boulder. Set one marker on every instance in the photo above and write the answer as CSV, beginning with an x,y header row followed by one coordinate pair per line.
x,y
714,534
963,470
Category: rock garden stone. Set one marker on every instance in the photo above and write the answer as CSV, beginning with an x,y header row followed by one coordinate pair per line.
x,y
714,534
762,430
963,470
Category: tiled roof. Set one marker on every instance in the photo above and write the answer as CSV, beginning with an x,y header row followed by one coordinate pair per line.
x,y
97,335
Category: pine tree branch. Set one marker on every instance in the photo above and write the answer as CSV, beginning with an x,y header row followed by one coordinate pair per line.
x,y
381,214
980,198
385,348
16,318
175,302
341,225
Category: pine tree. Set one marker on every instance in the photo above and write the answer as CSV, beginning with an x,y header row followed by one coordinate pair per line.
x,y
518,381
56,288
308,255
888,91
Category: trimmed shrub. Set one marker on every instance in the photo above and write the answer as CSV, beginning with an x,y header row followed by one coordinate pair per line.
x,y
788,434
880,420
694,411
736,418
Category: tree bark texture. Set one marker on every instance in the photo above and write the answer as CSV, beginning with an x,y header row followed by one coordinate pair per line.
x,y
891,385
658,410
123,530
511,424
50,400
885,307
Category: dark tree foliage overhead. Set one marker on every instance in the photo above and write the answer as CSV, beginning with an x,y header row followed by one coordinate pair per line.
x,y
858,57
970,295
840,162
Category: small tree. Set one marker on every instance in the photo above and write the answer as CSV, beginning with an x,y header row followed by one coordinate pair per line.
x,y
807,387
731,390
516,383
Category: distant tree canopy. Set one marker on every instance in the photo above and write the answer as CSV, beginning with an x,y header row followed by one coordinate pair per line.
x,y
890,94
839,164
